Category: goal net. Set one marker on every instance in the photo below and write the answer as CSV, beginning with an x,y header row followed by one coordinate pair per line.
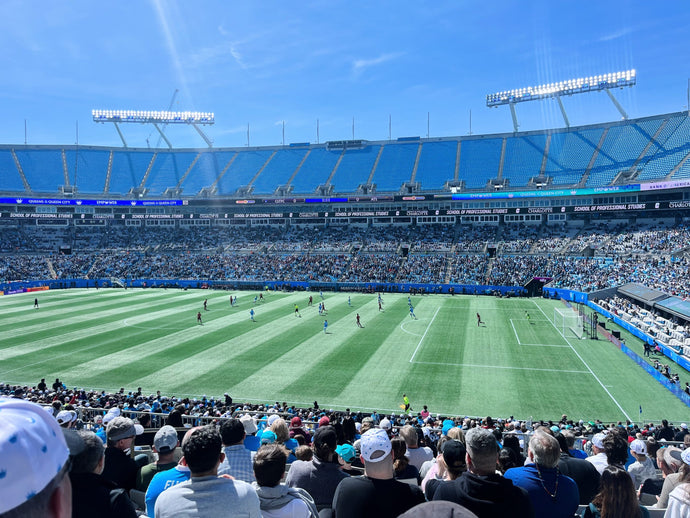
x,y
569,323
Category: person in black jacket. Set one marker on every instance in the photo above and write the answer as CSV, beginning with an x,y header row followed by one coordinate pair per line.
x,y
480,489
582,472
92,494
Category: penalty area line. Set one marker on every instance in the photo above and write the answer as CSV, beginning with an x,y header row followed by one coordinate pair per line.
x,y
424,335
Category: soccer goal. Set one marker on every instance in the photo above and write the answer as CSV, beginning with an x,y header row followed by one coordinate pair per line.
x,y
569,323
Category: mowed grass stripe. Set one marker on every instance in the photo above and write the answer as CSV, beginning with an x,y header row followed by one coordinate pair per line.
x,y
331,374
287,336
165,348
12,332
89,325
144,337
163,358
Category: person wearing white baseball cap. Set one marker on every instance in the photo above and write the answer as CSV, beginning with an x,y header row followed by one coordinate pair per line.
x,y
34,463
643,467
376,493
599,458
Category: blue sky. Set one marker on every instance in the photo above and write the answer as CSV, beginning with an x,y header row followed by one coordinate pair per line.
x,y
262,63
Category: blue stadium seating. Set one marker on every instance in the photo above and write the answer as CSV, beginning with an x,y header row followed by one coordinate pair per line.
x,y
128,170
355,168
523,159
279,170
479,161
9,176
87,169
168,170
674,145
436,164
395,166
621,148
315,170
242,170
570,153
42,168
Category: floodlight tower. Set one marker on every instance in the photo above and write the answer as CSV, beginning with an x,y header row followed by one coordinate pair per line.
x,y
605,82
194,119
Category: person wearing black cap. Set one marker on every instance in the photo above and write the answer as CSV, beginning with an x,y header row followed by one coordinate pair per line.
x,y
481,489
451,464
321,475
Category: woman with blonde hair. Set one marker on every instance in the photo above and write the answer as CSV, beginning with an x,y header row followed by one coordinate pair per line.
x,y
280,428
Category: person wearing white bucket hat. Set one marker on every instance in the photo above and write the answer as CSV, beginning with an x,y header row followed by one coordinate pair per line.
x,y
34,463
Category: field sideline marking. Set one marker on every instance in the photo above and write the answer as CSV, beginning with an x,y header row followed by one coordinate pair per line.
x,y
533,345
425,332
503,367
586,365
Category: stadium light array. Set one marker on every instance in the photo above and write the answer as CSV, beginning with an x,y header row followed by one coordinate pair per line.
x,y
569,87
157,117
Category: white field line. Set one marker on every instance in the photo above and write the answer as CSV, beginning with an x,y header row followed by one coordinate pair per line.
x,y
402,327
534,345
504,367
424,335
586,365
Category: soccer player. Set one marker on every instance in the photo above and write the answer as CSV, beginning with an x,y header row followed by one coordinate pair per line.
x,y
261,297
380,309
359,324
251,315
256,297
479,319
311,301
323,307
321,294
198,318
406,402
320,310
297,311
412,315
205,304
232,303
36,303
325,326
409,301
349,301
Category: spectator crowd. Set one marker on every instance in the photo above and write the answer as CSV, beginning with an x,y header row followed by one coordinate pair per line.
x,y
86,453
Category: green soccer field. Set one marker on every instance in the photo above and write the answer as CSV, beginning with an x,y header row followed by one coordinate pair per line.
x,y
511,365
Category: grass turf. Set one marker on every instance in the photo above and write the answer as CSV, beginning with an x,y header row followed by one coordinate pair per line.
x,y
510,365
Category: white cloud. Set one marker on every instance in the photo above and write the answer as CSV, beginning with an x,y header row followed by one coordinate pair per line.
x,y
360,65
617,34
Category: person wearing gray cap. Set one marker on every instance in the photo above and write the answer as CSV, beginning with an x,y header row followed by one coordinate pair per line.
x,y
164,444
93,495
120,468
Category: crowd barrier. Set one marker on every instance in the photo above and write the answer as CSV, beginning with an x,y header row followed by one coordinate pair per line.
x,y
457,289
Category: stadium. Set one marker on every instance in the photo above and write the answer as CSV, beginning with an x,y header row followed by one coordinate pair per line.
x,y
308,314
565,225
